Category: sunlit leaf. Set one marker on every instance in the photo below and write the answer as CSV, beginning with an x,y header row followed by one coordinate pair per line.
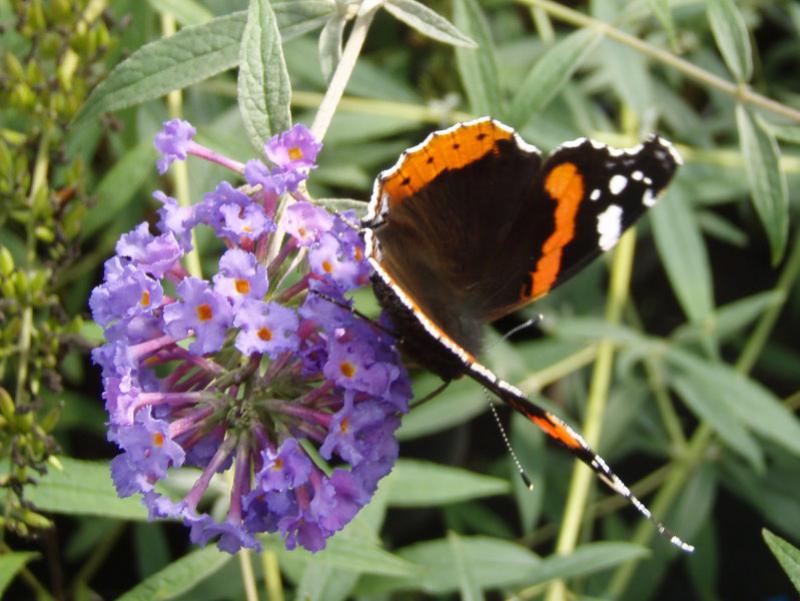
x,y
787,555
428,22
477,66
418,484
732,37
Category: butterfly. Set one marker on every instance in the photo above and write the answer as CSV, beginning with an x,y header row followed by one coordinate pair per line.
x,y
474,223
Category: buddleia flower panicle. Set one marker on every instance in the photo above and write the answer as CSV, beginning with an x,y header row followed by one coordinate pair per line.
x,y
248,372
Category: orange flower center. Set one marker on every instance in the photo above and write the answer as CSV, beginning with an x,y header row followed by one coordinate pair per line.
x,y
242,286
265,334
295,154
358,254
327,267
145,301
344,425
348,369
204,312
158,439
278,465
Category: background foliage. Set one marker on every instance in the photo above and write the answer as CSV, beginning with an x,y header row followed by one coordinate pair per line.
x,y
682,366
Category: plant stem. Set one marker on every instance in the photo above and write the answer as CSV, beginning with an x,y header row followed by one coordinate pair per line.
x,y
272,576
344,69
598,394
552,373
248,578
180,172
741,92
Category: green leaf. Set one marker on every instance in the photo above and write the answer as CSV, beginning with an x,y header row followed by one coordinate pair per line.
x,y
264,89
119,186
459,402
428,22
683,253
191,55
491,562
584,560
298,17
663,13
477,67
420,484
767,181
330,45
787,555
179,576
549,75
707,406
339,205
11,564
721,228
787,133
83,488
468,588
186,12
732,37
755,406
528,444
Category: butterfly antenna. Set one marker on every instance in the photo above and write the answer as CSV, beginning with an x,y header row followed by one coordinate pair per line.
x,y
522,474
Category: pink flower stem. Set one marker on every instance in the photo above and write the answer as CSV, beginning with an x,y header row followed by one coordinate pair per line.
x,y
202,152
199,488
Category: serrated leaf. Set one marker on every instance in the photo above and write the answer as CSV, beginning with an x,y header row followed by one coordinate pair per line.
x,y
732,37
83,488
787,555
264,89
330,45
755,406
477,66
11,564
492,563
421,484
584,560
179,576
428,22
191,55
683,253
705,403
186,12
549,75
767,181
468,588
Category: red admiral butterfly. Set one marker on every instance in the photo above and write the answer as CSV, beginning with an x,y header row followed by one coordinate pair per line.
x,y
472,224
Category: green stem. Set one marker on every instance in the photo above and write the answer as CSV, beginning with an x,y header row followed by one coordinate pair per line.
x,y
560,369
598,394
26,331
272,576
703,436
344,69
740,92
180,171
248,577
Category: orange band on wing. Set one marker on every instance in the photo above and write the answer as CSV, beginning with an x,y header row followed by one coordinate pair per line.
x,y
556,431
451,150
564,184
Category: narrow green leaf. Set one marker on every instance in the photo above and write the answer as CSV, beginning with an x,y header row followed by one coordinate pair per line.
x,y
339,205
477,67
787,133
683,253
322,582
719,227
330,45
663,13
186,12
767,181
787,555
118,187
707,406
468,588
191,55
11,564
595,328
264,89
584,560
549,75
732,37
83,488
528,444
298,17
179,577
492,563
459,402
755,406
428,22
420,484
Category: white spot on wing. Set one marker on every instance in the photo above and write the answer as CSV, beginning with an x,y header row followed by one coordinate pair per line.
x,y
595,195
617,183
637,175
648,199
609,226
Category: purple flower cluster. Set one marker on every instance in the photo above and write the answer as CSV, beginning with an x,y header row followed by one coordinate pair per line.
x,y
254,372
